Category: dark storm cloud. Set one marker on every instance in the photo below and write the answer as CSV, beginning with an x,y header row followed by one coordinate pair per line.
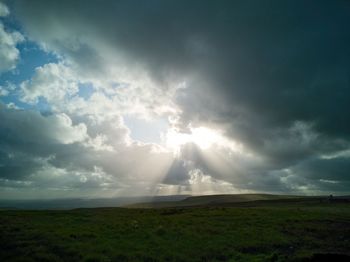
x,y
16,166
285,60
27,137
334,169
274,75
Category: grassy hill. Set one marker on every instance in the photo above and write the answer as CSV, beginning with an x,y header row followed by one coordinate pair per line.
x,y
219,200
256,228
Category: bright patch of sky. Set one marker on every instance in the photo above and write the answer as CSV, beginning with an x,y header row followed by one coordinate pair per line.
x,y
148,131
85,90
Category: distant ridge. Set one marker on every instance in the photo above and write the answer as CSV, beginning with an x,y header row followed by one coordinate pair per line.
x,y
235,200
164,201
72,203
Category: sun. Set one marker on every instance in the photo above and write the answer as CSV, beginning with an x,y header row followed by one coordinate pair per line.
x,y
203,137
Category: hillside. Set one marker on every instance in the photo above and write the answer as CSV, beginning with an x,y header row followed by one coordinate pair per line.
x,y
215,200
240,200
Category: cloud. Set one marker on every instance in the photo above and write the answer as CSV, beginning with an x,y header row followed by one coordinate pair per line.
x,y
50,153
273,76
9,54
3,91
240,51
51,81
27,140
331,170
31,126
4,11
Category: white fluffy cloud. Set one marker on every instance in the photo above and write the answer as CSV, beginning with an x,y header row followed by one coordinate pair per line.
x,y
51,81
4,11
9,54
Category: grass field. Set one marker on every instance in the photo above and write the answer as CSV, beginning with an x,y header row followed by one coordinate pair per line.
x,y
261,231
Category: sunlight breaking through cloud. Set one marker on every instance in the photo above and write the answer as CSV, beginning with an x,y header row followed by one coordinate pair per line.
x,y
201,136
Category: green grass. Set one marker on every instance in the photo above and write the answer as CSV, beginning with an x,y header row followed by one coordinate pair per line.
x,y
278,232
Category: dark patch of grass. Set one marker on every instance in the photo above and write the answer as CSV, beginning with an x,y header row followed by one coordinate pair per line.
x,y
278,232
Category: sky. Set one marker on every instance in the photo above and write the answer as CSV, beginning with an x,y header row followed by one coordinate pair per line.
x,y
160,97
